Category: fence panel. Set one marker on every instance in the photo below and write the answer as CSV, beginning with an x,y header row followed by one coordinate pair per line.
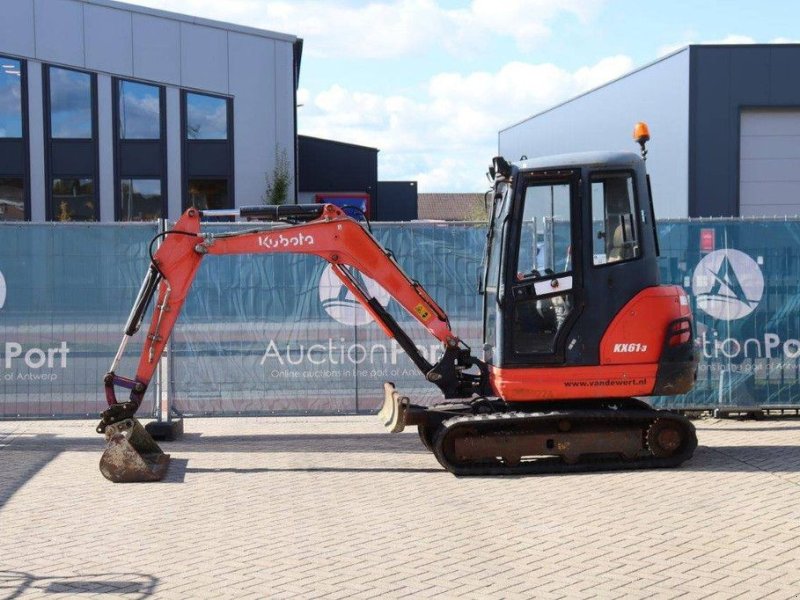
x,y
65,293
745,289
279,334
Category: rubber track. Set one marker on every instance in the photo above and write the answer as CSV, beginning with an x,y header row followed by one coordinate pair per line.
x,y
588,463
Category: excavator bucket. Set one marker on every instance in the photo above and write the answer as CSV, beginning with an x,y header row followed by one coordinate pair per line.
x,y
131,454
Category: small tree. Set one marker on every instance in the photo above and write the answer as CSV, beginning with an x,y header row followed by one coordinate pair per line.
x,y
279,181
478,212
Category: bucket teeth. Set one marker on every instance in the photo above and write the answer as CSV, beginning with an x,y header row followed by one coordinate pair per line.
x,y
131,454
393,411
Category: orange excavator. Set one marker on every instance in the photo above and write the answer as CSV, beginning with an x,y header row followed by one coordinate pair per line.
x,y
576,327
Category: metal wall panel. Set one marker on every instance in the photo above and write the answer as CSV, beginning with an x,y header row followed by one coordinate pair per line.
x,y
330,166
204,58
156,49
109,40
105,151
769,166
17,29
36,140
59,32
255,140
174,153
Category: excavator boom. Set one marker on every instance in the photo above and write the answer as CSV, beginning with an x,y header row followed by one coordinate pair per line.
x,y
320,230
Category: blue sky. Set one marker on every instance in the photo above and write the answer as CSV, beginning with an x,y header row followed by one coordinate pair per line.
x,y
431,83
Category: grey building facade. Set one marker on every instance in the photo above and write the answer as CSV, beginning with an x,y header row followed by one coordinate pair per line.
x,y
725,123
110,111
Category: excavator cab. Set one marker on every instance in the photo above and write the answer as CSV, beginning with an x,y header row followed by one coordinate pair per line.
x,y
571,241
571,286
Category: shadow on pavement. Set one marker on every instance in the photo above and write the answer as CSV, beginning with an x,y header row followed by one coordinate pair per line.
x,y
16,584
25,455
303,442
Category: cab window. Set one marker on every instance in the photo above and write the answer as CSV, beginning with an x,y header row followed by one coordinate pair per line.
x,y
545,239
614,229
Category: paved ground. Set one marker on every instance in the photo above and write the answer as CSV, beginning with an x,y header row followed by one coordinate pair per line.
x,y
335,508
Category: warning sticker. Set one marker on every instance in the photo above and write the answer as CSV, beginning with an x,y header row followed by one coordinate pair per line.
x,y
423,312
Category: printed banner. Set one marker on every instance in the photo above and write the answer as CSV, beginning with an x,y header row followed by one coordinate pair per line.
x,y
279,334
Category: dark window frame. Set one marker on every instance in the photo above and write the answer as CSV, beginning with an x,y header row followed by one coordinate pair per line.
x,y
118,141
49,174
230,175
26,143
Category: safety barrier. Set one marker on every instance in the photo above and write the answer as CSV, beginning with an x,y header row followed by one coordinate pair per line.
x,y
279,335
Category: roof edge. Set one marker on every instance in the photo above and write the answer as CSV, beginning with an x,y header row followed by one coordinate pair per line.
x,y
184,18
340,143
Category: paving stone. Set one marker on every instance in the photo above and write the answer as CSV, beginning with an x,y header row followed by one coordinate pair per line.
x,y
335,508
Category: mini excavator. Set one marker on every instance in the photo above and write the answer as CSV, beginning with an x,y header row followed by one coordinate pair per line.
x,y
576,327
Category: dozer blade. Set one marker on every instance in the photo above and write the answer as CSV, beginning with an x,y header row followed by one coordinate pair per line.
x,y
394,409
131,454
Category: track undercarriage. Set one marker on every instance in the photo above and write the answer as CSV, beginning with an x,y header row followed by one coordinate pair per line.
x,y
486,437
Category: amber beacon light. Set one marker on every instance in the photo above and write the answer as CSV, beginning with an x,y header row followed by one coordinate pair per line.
x,y
641,135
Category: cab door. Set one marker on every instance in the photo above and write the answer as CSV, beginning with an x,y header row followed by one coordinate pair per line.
x,y
541,275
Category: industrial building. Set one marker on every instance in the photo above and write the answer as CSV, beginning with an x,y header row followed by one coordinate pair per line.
x,y
725,126
114,112
347,175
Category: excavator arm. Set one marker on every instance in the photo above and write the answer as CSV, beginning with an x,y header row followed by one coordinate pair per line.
x,y
322,230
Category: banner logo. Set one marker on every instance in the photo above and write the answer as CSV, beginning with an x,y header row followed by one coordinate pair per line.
x,y
2,290
727,284
340,303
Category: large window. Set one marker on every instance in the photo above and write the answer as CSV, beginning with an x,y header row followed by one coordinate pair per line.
x,y
140,156
207,123
139,111
73,199
613,218
10,98
545,261
12,199
206,117
209,194
70,104
141,200
545,237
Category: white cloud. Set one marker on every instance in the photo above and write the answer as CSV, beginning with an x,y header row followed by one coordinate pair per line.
x,y
391,28
446,140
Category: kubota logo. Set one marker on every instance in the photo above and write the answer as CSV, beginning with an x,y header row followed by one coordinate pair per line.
x,y
727,284
340,303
